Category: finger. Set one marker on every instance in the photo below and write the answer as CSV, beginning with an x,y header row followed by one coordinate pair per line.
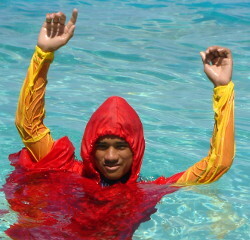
x,y
203,57
48,18
58,28
217,61
71,31
69,34
47,24
212,52
206,63
213,48
222,52
73,18
215,53
56,18
225,52
62,18
209,57
54,24
219,51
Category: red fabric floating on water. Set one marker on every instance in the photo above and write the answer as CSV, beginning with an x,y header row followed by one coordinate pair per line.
x,y
63,205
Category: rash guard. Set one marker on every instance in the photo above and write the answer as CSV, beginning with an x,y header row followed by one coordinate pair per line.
x,y
114,117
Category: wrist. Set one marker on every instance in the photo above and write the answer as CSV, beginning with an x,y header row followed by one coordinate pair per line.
x,y
221,84
48,55
220,89
45,48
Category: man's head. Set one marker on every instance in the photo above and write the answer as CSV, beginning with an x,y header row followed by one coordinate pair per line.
x,y
113,143
113,157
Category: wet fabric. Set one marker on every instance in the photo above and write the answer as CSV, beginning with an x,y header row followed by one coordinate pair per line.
x,y
31,106
63,205
222,147
61,157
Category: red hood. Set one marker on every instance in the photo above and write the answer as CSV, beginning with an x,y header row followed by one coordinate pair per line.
x,y
114,117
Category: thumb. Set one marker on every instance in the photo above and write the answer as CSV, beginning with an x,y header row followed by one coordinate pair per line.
x,y
203,57
206,65
71,31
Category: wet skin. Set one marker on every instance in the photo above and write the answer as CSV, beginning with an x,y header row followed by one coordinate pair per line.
x,y
113,157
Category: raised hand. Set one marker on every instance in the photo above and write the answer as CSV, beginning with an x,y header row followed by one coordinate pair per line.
x,y
218,65
54,33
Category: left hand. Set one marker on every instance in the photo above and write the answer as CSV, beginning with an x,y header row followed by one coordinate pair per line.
x,y
218,65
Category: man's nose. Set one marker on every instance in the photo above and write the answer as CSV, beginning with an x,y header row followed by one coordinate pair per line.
x,y
111,154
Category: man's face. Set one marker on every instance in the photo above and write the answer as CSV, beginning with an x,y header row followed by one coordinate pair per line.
x,y
113,157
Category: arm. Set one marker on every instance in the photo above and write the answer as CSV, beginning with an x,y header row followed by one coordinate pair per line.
x,y
30,111
218,67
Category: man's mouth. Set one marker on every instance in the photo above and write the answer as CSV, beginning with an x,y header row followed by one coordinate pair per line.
x,y
111,167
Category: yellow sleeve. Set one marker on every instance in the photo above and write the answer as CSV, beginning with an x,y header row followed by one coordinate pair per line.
x,y
31,106
222,149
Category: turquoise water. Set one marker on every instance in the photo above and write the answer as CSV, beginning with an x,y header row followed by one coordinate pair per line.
x,y
148,52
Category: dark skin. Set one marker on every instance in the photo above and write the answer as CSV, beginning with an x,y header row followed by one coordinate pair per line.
x,y
113,157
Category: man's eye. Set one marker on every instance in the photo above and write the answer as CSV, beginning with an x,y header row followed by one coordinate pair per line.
x,y
122,146
100,146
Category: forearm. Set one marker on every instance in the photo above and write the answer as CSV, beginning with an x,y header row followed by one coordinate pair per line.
x,y
221,154
31,105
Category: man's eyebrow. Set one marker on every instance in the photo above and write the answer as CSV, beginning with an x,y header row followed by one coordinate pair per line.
x,y
100,142
122,142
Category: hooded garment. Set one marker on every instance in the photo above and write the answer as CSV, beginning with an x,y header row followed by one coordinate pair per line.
x,y
114,117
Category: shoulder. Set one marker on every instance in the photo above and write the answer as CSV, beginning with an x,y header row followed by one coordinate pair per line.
x,y
61,157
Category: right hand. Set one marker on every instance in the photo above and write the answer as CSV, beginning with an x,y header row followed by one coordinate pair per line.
x,y
54,33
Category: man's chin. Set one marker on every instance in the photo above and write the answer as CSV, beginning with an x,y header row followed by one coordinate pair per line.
x,y
113,177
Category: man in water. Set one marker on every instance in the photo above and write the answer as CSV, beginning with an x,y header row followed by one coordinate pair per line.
x,y
113,143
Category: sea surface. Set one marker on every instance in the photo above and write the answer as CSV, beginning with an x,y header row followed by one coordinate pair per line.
x,y
147,52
